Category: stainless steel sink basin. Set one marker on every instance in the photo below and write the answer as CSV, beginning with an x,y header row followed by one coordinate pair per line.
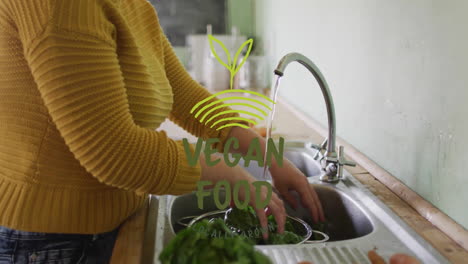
x,y
345,219
357,221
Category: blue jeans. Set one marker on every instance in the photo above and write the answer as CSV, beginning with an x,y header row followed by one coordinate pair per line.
x,y
36,248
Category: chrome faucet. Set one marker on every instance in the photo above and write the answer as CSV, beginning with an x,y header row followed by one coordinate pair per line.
x,y
332,164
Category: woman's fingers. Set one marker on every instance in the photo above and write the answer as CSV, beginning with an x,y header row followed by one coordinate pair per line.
x,y
403,259
261,214
290,178
276,208
311,201
288,197
375,258
308,201
275,199
279,213
318,204
263,221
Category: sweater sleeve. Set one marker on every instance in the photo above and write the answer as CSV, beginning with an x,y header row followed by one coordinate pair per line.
x,y
187,93
82,86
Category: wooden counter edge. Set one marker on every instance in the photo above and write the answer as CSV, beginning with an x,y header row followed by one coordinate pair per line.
x,y
440,241
128,248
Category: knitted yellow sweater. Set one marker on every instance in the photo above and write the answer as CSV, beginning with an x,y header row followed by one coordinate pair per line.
x,y
83,86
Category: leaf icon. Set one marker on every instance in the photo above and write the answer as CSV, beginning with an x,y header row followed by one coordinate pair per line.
x,y
211,38
232,66
248,42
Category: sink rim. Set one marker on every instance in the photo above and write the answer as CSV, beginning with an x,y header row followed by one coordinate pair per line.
x,y
343,194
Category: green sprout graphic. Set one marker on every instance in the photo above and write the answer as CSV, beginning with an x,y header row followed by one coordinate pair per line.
x,y
203,114
231,65
204,109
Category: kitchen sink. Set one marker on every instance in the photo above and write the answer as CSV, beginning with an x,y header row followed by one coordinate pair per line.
x,y
357,221
345,219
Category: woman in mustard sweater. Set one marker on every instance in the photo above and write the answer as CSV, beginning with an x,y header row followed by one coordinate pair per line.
x,y
84,84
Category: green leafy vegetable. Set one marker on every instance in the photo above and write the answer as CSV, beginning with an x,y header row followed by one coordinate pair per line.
x,y
322,227
242,219
285,238
211,242
247,222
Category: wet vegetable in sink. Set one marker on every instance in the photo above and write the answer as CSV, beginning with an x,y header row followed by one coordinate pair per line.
x,y
211,242
246,223
322,227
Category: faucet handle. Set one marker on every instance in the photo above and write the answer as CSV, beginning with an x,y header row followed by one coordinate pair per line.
x,y
319,148
342,161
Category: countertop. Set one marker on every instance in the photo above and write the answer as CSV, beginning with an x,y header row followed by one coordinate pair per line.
x,y
130,243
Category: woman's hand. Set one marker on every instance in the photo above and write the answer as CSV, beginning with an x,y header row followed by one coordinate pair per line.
x,y
235,174
286,178
395,259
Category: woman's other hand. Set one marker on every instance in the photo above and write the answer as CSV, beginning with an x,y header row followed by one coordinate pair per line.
x,y
395,259
235,174
289,178
285,178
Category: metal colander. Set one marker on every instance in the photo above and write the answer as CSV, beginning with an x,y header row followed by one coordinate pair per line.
x,y
305,229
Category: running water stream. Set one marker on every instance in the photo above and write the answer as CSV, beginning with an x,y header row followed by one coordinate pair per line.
x,y
269,125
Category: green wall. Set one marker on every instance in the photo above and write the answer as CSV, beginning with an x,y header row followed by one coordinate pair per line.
x,y
398,73
241,15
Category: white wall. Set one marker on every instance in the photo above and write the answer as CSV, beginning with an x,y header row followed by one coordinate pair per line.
x,y
398,71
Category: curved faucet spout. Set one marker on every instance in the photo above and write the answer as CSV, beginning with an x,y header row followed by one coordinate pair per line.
x,y
332,164
325,91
